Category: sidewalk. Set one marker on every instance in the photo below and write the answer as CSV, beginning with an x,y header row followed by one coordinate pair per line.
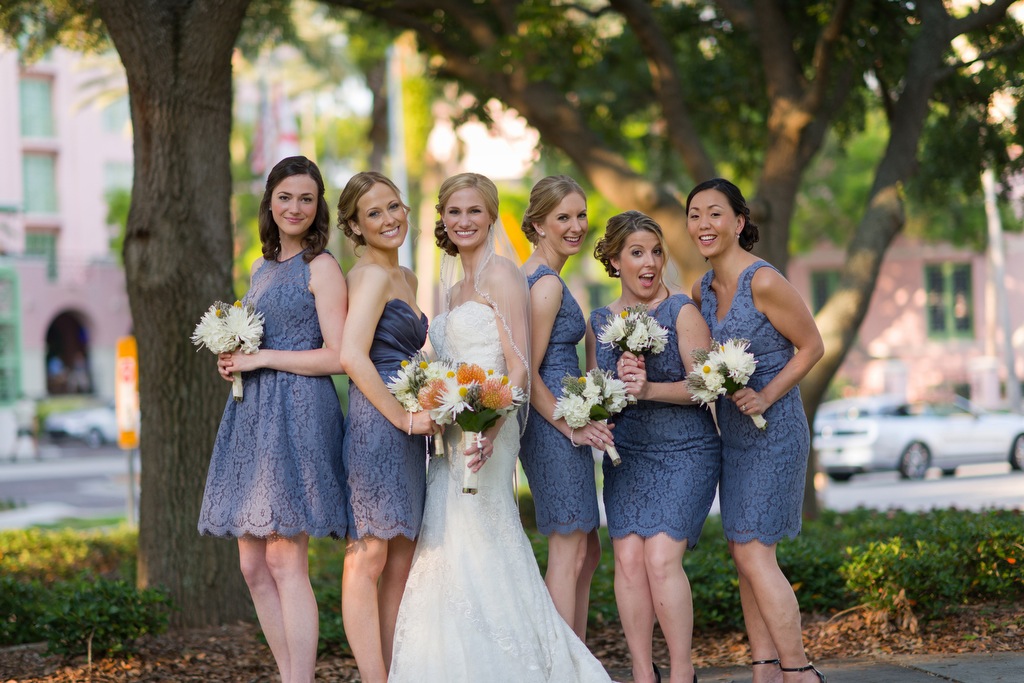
x,y
996,667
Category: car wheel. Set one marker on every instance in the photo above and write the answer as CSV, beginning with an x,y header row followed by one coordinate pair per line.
x,y
914,461
840,476
94,438
1017,453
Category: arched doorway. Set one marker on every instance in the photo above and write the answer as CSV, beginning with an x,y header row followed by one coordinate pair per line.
x,y
67,356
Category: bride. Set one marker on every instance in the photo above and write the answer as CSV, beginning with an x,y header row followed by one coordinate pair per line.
x,y
475,606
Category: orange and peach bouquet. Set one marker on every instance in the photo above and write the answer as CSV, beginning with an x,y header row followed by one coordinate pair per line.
x,y
473,398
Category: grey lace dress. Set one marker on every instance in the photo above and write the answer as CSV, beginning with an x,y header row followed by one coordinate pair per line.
x,y
561,475
670,453
762,484
387,468
276,465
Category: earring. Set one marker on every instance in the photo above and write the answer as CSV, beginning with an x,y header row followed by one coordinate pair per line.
x,y
540,233
616,273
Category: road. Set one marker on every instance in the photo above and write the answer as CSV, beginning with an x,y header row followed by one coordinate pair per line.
x,y
66,481
74,481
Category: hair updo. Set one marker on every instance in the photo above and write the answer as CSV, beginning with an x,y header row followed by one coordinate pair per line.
x,y
618,230
749,235
463,181
348,202
545,198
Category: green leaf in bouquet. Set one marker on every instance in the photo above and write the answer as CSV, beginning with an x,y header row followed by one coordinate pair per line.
x,y
599,413
477,421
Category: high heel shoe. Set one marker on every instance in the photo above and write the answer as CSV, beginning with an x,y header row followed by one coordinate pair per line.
x,y
766,661
809,667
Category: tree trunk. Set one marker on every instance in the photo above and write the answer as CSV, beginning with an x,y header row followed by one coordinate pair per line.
x,y
178,257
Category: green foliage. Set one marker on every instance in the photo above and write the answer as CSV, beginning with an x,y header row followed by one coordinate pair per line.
x,y
49,556
100,616
34,27
910,565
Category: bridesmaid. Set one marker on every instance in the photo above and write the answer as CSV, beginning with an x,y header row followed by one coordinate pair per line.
x,y
385,462
762,486
275,474
556,458
658,498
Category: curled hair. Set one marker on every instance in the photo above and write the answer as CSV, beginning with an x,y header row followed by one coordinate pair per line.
x,y
544,198
463,181
749,235
315,239
618,230
348,202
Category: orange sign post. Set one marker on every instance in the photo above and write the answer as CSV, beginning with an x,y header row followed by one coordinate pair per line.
x,y
126,393
126,406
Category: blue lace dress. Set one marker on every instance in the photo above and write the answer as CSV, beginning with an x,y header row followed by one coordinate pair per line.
x,y
387,468
762,486
670,453
276,465
561,475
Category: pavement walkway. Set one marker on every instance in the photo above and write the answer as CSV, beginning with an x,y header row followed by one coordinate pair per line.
x,y
996,667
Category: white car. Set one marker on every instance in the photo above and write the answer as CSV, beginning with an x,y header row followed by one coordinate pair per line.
x,y
94,426
881,433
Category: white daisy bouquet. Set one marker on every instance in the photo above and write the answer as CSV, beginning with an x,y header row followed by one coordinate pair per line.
x,y
596,395
634,330
724,369
474,399
227,328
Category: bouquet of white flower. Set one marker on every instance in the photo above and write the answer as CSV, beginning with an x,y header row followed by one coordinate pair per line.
x,y
595,396
473,398
724,369
634,330
227,328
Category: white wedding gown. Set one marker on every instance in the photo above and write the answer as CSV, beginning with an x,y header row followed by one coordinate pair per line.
x,y
475,608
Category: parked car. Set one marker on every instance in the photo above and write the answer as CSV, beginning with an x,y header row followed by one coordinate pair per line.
x,y
94,426
881,433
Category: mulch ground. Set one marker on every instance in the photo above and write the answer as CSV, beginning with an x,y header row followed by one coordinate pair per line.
x,y
234,654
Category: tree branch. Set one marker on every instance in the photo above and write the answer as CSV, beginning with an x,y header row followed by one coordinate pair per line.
x,y
668,88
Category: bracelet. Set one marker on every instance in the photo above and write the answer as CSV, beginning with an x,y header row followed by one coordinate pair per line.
x,y
410,425
572,434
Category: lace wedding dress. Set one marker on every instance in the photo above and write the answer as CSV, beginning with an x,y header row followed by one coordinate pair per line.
x,y
475,607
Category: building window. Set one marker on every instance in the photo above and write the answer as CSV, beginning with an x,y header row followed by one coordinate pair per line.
x,y
43,244
37,108
10,362
116,116
824,283
949,304
39,174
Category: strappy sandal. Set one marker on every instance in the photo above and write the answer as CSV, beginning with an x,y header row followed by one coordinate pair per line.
x,y
809,667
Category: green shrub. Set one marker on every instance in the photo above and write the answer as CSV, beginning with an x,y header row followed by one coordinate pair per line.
x,y
21,611
50,555
100,616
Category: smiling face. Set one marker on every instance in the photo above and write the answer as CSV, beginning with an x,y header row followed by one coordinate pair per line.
x,y
564,228
293,205
466,218
640,264
381,218
712,223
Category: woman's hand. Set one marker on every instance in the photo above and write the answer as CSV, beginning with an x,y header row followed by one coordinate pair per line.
x,y
228,363
750,402
422,424
595,434
632,370
483,447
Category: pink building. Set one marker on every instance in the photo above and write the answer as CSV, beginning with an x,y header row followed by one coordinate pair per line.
x,y
931,328
65,144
